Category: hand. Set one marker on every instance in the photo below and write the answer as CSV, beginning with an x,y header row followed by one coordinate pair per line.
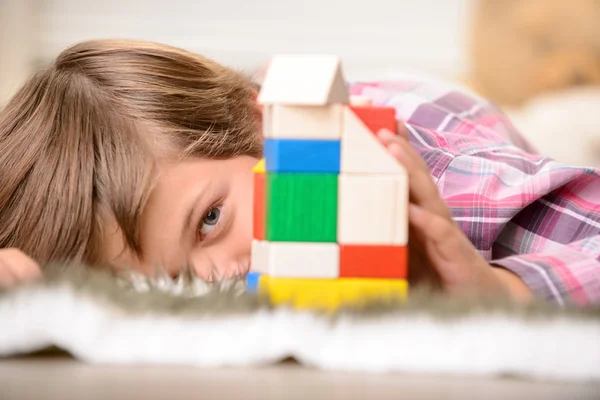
x,y
440,253
16,267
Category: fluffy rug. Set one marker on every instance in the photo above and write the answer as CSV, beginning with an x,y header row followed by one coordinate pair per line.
x,y
102,318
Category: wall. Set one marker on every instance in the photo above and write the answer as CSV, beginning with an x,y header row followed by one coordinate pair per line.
x,y
18,37
427,35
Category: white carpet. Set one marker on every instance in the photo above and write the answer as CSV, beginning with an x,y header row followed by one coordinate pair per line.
x,y
114,325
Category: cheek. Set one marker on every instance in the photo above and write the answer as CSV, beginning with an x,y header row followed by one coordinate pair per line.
x,y
244,207
242,199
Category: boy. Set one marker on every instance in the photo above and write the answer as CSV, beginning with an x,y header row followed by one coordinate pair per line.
x,y
139,154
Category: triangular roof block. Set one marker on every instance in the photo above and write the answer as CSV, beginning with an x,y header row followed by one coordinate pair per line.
x,y
259,167
361,152
308,80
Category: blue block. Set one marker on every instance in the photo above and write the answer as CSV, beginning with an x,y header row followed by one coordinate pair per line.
x,y
302,156
252,279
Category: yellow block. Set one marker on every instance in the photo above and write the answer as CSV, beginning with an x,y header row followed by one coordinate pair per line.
x,y
329,294
259,168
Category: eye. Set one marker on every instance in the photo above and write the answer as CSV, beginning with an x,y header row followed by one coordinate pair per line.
x,y
209,221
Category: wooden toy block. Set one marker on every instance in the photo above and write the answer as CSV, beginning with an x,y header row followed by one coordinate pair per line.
x,y
297,259
304,80
376,118
372,209
267,118
252,280
259,168
385,262
303,122
258,206
301,207
259,259
306,156
401,211
361,151
324,294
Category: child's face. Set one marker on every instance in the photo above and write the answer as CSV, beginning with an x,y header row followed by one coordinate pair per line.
x,y
199,214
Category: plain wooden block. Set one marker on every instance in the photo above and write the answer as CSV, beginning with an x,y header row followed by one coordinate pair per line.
x,y
252,282
361,151
296,259
303,122
330,294
372,209
259,259
401,212
302,155
301,207
304,80
374,261
267,118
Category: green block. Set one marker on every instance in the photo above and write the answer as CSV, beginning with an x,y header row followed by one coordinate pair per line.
x,y
301,207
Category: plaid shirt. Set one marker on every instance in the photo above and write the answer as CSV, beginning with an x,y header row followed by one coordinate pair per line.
x,y
521,210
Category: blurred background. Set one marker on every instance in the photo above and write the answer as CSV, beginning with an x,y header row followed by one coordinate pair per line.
x,y
538,59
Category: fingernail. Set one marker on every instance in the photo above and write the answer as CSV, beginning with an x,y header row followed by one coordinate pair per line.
x,y
396,150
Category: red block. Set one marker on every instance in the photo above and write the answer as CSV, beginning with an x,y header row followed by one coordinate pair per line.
x,y
258,231
376,118
365,261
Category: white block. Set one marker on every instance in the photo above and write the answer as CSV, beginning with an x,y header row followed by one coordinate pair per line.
x,y
259,259
373,209
361,151
304,80
267,120
401,212
296,259
303,122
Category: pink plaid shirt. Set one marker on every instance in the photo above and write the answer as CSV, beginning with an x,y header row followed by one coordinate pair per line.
x,y
523,211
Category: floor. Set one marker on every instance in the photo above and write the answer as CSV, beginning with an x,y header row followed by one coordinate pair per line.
x,y
60,377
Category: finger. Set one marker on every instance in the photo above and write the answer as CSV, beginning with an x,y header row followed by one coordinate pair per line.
x,y
449,241
423,190
408,153
7,277
420,269
27,270
444,246
402,130
21,265
386,137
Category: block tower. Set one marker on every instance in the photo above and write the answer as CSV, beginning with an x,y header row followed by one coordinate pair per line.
x,y
330,204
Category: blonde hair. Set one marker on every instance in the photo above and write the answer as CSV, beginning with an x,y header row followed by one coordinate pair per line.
x,y
81,140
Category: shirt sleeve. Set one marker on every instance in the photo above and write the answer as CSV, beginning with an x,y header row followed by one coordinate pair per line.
x,y
522,211
569,275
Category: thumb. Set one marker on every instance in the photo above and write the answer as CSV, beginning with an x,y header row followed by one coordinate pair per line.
x,y
441,234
